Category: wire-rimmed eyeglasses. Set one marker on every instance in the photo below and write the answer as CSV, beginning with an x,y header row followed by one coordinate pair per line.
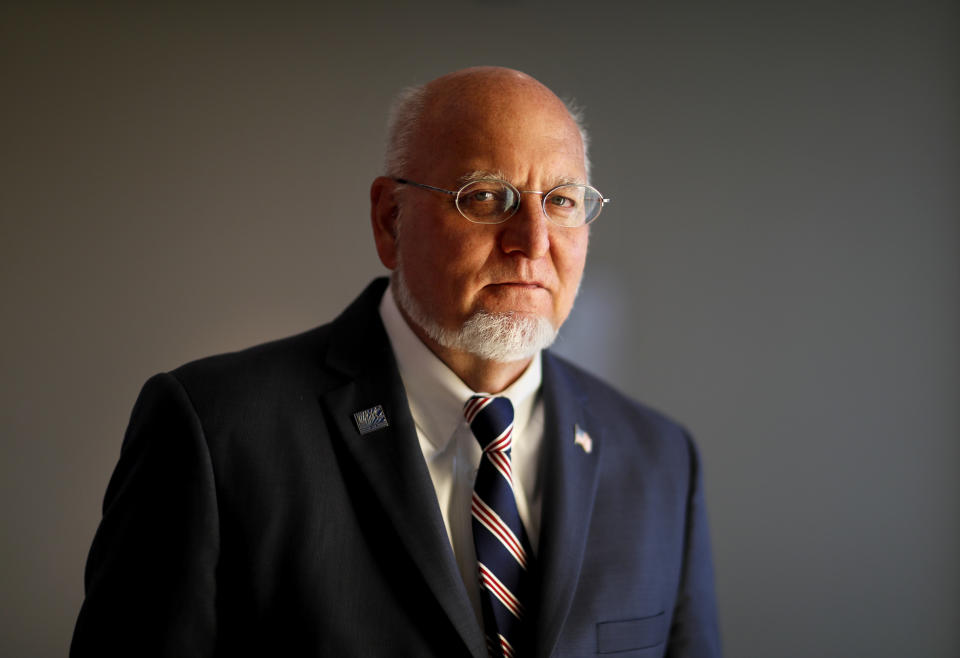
x,y
493,201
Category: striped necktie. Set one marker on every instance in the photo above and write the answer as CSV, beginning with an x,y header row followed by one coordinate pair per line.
x,y
504,556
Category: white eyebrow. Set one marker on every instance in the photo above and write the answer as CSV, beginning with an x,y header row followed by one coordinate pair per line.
x,y
481,174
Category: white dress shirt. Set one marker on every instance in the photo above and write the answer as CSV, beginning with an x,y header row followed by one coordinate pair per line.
x,y
436,397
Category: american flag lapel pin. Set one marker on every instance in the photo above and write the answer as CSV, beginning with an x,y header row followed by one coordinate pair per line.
x,y
582,439
370,420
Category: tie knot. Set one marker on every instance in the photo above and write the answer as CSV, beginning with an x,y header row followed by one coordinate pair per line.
x,y
491,420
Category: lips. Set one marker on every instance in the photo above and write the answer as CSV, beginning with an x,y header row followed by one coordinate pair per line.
x,y
520,284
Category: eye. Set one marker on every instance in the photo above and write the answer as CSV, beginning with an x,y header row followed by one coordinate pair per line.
x,y
483,196
561,201
486,201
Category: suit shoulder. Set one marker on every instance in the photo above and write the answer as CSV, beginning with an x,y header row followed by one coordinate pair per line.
x,y
257,369
613,406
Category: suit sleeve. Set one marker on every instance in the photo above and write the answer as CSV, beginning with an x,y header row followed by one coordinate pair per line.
x,y
694,632
150,581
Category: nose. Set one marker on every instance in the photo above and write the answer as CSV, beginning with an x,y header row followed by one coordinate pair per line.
x,y
527,232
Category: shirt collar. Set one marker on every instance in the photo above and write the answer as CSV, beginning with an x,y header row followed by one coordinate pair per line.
x,y
435,393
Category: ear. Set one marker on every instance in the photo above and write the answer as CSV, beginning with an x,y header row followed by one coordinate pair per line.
x,y
384,211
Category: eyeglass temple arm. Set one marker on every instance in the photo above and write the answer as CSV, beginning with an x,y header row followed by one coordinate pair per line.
x,y
404,181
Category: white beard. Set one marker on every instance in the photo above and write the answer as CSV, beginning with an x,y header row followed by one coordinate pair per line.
x,y
502,337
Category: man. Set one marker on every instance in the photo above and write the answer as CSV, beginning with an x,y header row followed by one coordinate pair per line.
x,y
325,495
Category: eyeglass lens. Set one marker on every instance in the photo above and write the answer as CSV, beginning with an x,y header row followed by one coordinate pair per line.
x,y
491,202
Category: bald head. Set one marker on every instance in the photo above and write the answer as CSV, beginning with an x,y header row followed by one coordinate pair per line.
x,y
478,103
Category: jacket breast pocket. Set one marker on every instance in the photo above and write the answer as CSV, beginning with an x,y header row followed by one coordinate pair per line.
x,y
615,637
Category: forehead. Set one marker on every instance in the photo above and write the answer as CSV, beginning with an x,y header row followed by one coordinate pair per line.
x,y
521,130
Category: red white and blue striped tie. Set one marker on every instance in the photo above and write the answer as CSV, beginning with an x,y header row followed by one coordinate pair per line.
x,y
504,556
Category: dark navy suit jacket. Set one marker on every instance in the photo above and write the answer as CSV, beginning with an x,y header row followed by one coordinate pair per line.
x,y
248,516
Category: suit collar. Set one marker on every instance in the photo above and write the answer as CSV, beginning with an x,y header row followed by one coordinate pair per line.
x,y
390,459
570,474
358,343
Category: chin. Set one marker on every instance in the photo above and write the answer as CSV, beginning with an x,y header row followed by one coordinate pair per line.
x,y
493,335
505,337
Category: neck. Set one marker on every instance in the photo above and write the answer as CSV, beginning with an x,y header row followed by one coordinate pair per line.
x,y
479,374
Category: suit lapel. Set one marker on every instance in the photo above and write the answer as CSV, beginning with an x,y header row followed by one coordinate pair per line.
x,y
390,458
570,470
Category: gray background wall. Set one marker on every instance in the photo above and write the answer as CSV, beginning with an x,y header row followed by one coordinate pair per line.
x,y
779,268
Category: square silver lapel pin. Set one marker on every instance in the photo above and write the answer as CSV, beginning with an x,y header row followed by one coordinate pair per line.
x,y
370,420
